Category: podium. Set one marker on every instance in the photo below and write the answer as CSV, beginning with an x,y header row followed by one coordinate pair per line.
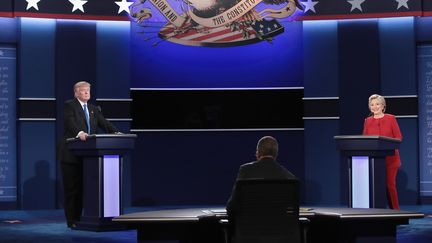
x,y
367,168
102,156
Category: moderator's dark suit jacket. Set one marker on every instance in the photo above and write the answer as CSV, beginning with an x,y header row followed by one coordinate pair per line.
x,y
75,121
265,168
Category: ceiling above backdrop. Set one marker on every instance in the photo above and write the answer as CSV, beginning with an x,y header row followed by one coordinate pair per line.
x,y
120,9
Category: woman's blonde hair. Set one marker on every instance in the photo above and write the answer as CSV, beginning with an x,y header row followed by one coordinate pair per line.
x,y
380,100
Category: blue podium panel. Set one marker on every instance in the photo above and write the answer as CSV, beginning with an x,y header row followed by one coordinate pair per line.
x,y
111,186
360,182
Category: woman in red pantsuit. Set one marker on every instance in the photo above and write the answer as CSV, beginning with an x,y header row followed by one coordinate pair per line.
x,y
382,124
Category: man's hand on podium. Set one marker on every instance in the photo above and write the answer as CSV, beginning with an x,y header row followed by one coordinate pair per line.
x,y
82,136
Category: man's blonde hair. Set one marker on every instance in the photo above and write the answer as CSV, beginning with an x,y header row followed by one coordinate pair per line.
x,y
80,84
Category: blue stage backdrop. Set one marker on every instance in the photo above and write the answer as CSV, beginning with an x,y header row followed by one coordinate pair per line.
x,y
163,64
8,192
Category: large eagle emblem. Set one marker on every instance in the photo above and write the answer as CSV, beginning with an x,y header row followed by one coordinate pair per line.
x,y
218,22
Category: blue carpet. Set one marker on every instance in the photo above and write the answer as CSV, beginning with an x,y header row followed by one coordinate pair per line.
x,y
418,230
49,226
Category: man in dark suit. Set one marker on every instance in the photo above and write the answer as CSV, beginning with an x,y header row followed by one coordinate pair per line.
x,y
80,120
266,167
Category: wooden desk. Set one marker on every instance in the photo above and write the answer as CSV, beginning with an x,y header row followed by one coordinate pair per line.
x,y
327,225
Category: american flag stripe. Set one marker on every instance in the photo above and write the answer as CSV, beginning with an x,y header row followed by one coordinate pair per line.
x,y
220,34
194,34
213,35
236,37
228,37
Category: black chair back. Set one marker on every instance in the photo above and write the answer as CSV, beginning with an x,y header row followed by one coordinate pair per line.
x,y
267,211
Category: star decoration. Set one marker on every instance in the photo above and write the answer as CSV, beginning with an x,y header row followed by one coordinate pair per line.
x,y
265,28
32,4
356,4
309,5
78,4
402,3
124,6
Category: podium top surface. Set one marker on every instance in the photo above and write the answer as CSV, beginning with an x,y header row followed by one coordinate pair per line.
x,y
102,144
366,137
95,136
361,145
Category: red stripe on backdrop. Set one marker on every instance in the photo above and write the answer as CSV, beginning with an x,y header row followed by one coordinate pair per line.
x,y
427,13
6,14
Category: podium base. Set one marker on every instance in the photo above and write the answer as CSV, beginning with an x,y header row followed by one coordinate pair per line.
x,y
99,226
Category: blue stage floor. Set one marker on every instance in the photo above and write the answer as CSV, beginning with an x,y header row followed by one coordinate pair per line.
x,y
49,226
